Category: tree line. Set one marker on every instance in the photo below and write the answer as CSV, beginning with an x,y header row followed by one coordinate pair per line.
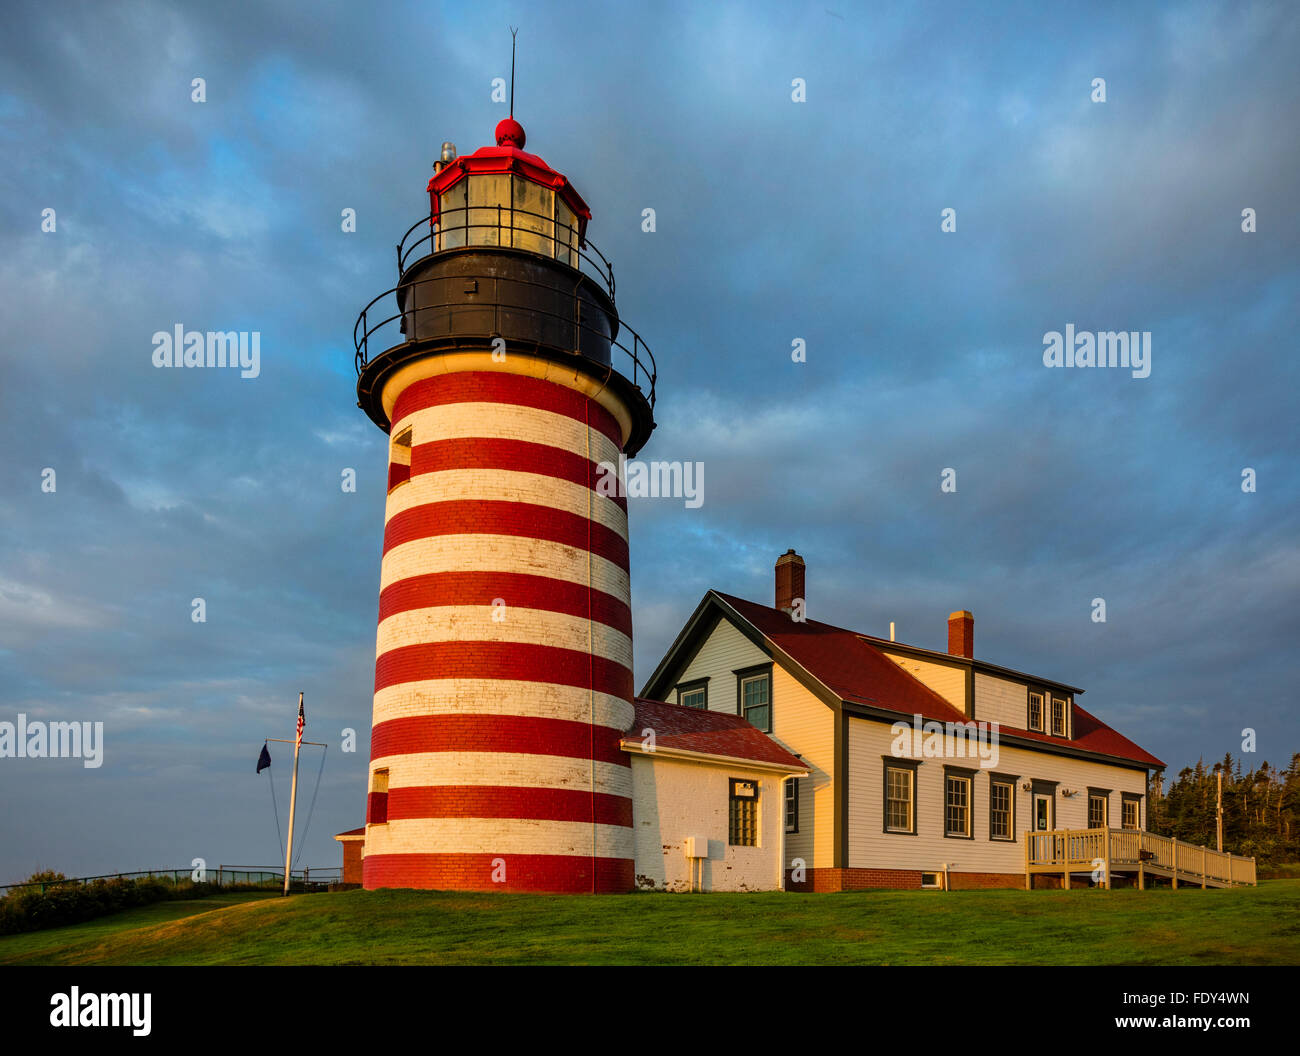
x,y
1261,808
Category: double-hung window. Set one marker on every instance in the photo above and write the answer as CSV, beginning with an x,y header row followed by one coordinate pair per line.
x,y
1035,711
957,784
1002,807
754,696
1058,717
900,796
1098,808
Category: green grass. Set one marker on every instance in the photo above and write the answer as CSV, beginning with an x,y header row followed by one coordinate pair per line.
x,y
35,947
1240,926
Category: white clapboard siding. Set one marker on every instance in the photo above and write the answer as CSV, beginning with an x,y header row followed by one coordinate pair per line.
x,y
800,722
871,847
946,680
806,726
1002,701
726,652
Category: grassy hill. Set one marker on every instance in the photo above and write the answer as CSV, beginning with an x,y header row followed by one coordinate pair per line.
x,y
1240,926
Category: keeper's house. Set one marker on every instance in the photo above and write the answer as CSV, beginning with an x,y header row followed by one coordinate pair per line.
x,y
879,810
765,751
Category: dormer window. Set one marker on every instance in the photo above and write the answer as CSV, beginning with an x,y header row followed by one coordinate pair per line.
x,y
1058,717
1036,711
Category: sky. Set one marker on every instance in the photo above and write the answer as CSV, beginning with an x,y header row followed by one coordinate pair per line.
x,y
776,220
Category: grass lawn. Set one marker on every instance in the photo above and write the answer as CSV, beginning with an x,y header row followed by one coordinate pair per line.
x,y
1239,926
36,947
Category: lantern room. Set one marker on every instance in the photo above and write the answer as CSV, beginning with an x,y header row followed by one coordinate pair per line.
x,y
503,196
502,266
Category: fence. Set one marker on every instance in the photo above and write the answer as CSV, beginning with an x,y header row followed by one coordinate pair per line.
x,y
222,876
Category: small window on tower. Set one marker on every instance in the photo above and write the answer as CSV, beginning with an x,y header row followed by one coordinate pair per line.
x,y
377,801
399,459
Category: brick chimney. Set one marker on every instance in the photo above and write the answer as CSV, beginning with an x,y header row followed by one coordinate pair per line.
x,y
789,580
961,634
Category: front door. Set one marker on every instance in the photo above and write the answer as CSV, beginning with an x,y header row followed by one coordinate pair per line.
x,y
1043,823
1042,812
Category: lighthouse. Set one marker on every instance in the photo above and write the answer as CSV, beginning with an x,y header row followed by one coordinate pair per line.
x,y
504,377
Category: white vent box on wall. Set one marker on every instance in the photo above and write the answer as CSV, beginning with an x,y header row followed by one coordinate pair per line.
x,y
697,846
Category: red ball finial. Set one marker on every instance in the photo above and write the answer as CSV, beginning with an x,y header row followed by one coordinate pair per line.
x,y
511,133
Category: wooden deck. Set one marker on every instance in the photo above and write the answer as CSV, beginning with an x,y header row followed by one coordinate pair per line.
x,y
1103,853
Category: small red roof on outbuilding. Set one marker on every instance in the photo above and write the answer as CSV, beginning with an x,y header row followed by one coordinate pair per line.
x,y
707,732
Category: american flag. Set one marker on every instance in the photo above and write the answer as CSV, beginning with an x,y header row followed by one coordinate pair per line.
x,y
301,720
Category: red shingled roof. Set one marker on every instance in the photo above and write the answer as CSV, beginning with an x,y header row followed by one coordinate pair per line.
x,y
708,732
850,666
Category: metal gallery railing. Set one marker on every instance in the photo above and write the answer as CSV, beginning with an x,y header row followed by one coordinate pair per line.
x,y
486,322
503,226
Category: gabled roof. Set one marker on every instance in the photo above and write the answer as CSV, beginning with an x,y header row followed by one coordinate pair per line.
x,y
706,733
842,665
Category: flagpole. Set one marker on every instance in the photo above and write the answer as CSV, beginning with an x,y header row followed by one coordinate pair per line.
x,y
293,796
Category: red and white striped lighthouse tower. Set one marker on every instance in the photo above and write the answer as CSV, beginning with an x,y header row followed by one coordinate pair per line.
x,y
503,670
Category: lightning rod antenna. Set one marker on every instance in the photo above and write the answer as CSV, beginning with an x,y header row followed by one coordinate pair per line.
x,y
513,31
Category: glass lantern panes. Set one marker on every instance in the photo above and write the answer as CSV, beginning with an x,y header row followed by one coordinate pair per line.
x,y
534,217
489,210
566,234
452,216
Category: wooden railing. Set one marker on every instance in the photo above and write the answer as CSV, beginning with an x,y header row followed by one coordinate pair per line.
x,y
1106,851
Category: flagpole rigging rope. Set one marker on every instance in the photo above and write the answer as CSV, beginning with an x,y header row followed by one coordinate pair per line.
x,y
274,806
312,808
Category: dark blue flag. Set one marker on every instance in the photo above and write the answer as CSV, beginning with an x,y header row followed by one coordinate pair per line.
x,y
263,760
